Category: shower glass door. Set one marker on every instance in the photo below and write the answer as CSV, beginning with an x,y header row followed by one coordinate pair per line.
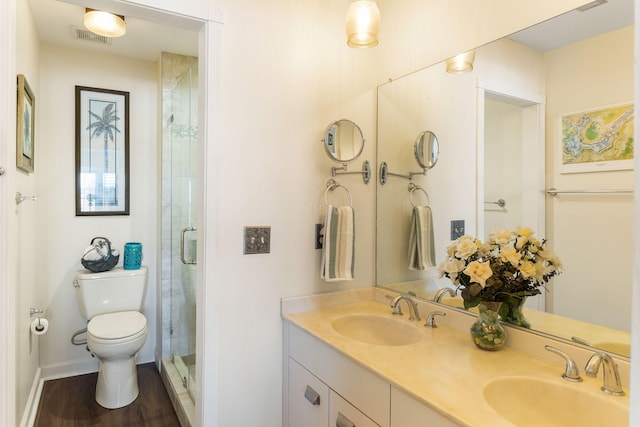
x,y
180,157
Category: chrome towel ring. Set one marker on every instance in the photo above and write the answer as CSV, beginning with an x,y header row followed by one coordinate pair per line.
x,y
332,185
412,189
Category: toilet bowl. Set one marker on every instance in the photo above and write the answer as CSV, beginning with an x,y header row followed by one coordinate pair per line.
x,y
115,339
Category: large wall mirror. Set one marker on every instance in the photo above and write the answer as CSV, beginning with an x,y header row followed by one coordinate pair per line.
x,y
499,132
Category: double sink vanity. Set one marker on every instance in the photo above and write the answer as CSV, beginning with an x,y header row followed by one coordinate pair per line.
x,y
349,361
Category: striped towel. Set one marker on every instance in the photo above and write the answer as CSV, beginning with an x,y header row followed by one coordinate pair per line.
x,y
421,246
337,249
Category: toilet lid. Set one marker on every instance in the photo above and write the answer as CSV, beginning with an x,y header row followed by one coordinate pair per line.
x,y
111,326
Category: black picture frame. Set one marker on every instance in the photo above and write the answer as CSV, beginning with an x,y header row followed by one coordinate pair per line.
x,y
102,152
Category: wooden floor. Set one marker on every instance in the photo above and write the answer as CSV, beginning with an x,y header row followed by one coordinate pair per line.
x,y
70,402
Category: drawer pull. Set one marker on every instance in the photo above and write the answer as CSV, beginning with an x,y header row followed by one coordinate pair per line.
x,y
312,396
343,421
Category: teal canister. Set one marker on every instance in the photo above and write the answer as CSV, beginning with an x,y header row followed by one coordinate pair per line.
x,y
132,255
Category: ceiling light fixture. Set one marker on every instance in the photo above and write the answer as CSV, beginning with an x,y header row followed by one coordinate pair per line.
x,y
363,23
104,23
461,63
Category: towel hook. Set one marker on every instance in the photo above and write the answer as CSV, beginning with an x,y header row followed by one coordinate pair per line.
x,y
412,188
332,185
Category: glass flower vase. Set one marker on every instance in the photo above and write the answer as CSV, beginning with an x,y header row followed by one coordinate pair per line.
x,y
487,332
511,312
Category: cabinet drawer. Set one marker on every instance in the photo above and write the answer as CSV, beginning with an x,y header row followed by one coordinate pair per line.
x,y
344,414
366,391
308,398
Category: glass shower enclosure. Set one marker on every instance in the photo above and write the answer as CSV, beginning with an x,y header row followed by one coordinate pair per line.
x,y
179,208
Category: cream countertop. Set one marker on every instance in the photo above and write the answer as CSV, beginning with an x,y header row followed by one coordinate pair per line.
x,y
444,370
607,339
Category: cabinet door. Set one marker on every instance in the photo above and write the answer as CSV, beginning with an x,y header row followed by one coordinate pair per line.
x,y
344,414
308,398
408,412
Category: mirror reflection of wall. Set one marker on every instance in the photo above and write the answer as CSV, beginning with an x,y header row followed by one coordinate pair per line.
x,y
406,107
592,233
596,285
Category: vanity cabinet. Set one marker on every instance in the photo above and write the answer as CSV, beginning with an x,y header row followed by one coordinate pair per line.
x,y
325,388
408,412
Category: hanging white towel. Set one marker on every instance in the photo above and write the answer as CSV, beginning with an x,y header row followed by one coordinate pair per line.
x,y
338,245
421,245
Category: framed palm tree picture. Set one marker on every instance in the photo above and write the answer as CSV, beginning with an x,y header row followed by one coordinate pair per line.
x,y
102,152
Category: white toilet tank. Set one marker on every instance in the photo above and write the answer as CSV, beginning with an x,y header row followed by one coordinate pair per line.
x,y
110,291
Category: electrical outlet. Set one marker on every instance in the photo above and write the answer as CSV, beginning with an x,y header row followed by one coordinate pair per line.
x,y
257,240
319,235
457,228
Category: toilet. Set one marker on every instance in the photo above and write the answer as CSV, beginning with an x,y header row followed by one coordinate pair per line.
x,y
111,301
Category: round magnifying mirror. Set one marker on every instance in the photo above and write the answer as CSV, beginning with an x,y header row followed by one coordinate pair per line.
x,y
343,141
426,149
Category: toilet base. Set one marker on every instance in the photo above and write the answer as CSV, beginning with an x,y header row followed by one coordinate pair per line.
x,y
117,383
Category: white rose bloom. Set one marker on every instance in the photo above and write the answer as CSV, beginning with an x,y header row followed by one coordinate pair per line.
x,y
527,269
465,247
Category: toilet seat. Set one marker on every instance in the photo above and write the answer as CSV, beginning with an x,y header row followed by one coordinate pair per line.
x,y
117,327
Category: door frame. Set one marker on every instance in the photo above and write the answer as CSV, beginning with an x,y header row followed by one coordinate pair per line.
x,y
535,127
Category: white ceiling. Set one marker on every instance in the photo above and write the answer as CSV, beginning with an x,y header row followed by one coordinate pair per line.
x,y
574,26
144,40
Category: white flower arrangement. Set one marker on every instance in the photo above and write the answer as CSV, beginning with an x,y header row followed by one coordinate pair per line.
x,y
511,264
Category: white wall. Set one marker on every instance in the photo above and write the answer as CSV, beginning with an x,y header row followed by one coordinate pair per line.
x,y
286,74
64,236
25,225
591,230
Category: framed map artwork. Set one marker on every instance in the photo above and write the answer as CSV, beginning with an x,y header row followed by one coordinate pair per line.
x,y
597,140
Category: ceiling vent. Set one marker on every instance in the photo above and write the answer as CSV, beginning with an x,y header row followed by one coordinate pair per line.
x,y
81,33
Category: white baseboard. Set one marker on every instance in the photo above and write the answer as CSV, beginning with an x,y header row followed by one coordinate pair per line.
x,y
69,369
31,408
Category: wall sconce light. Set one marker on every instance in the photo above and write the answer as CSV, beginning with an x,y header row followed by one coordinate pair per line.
x,y
363,23
104,23
461,63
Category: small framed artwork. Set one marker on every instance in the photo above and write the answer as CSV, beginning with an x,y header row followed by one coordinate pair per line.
x,y
597,140
102,152
25,126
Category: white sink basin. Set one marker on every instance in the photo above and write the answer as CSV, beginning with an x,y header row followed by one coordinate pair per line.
x,y
529,402
375,329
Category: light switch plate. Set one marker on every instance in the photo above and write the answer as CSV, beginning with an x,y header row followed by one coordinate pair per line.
x,y
257,240
457,228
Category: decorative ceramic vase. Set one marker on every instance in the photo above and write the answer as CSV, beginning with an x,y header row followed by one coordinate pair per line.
x,y
511,312
487,332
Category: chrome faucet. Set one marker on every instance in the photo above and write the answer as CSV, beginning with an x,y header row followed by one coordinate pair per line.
x,y
413,307
438,296
610,374
571,372
431,318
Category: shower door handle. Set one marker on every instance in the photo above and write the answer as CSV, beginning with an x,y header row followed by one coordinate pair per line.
x,y
182,233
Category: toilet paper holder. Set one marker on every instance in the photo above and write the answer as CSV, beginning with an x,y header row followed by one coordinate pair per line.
x,y
36,312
